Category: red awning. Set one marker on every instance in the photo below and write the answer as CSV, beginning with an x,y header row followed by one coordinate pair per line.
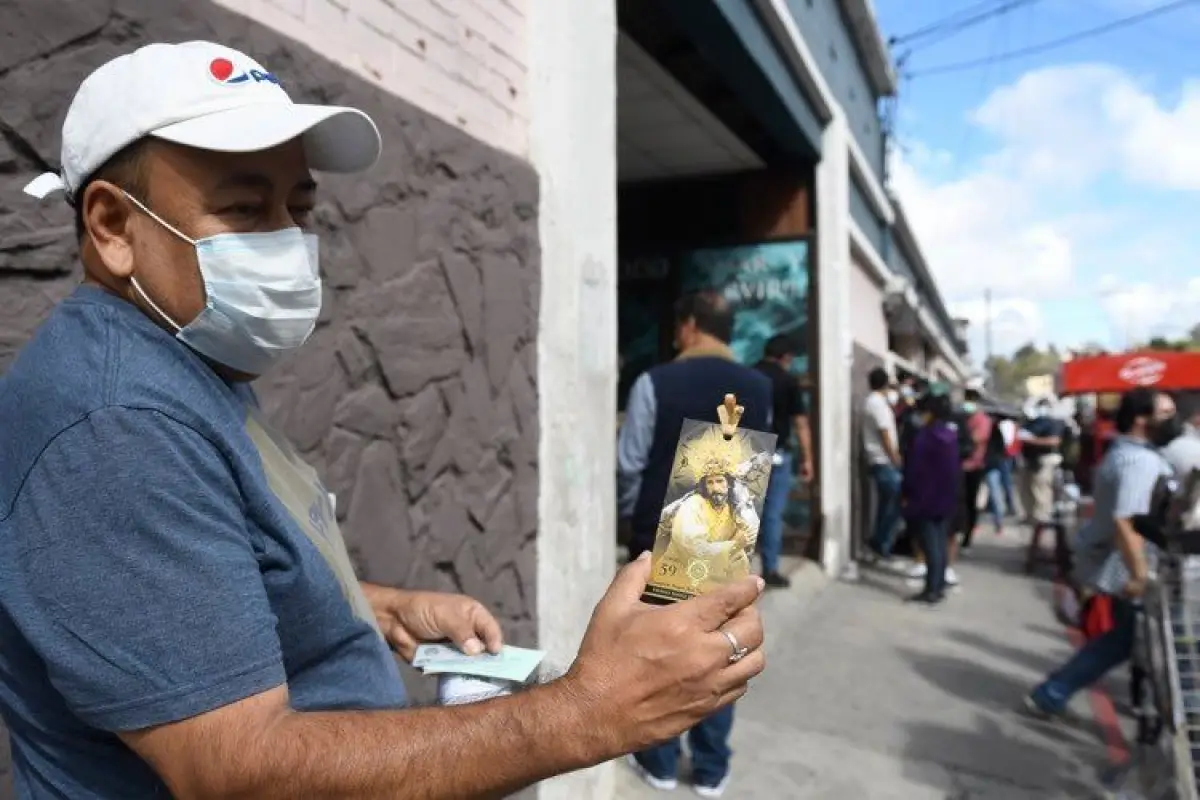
x,y
1119,373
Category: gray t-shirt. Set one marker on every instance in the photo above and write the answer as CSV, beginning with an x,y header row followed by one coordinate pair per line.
x,y
165,554
1123,489
878,416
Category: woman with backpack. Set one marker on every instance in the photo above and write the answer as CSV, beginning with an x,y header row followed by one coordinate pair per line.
x,y
973,442
997,463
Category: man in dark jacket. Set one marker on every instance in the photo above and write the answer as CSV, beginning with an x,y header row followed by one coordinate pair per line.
x,y
690,387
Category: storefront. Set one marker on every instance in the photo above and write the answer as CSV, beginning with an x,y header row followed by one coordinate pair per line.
x,y
768,286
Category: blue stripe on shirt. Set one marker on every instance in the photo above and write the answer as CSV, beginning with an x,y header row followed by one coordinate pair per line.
x,y
633,444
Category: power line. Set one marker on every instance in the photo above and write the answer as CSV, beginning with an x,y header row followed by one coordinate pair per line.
x,y
960,21
1052,44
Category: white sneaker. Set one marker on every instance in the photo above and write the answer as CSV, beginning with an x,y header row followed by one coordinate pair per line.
x,y
917,571
712,791
662,784
951,577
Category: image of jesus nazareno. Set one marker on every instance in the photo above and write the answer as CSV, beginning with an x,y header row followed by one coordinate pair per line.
x,y
706,537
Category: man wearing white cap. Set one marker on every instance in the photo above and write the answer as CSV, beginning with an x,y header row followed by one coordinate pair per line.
x,y
178,613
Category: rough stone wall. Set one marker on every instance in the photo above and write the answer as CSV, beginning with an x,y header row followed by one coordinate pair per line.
x,y
416,398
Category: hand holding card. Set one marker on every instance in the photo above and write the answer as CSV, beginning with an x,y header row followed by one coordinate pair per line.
x,y
709,524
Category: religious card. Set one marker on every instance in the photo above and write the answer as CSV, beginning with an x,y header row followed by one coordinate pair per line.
x,y
709,523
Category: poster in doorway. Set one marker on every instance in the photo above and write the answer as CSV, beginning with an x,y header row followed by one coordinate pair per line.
x,y
767,286
643,302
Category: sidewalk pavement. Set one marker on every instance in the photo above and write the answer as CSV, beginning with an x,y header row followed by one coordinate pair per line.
x,y
867,698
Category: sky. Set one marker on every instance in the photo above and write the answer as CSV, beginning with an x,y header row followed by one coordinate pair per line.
x,y
1065,183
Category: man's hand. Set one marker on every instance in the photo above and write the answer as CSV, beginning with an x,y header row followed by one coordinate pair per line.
x,y
647,673
807,471
409,618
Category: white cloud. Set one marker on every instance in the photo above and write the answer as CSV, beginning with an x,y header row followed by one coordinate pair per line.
x,y
1142,310
1014,322
1080,155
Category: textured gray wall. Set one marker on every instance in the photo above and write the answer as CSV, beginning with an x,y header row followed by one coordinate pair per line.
x,y
417,396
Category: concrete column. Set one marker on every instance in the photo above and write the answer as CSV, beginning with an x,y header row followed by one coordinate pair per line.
x,y
573,146
835,340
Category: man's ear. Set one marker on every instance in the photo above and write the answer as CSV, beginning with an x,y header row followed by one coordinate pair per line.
x,y
107,215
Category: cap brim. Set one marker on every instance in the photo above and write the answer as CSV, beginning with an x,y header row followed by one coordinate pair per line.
x,y
336,139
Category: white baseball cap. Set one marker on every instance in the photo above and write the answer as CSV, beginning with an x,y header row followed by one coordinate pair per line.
x,y
201,95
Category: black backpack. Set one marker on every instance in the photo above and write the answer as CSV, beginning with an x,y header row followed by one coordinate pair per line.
x,y
966,442
997,450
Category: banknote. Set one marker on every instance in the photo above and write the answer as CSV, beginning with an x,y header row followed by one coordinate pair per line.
x,y
710,518
510,664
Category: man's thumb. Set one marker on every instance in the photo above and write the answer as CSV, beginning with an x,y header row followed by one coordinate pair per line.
x,y
627,587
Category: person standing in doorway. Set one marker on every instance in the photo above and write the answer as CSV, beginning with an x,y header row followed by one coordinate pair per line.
x,y
931,464
979,426
881,445
690,387
789,414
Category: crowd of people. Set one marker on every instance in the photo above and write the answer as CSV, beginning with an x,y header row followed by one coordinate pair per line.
x,y
930,457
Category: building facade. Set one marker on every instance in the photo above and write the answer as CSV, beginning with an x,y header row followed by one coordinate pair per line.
x,y
779,140
460,392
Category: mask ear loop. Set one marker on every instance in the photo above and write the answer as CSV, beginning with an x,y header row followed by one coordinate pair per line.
x,y
133,278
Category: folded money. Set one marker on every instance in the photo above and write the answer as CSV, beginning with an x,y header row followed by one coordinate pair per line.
x,y
456,690
510,664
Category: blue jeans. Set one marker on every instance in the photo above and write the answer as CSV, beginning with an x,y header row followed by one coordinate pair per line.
x,y
709,746
994,478
1006,483
934,539
1090,662
887,513
770,533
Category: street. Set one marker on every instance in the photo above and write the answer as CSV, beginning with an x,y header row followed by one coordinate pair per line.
x,y
866,697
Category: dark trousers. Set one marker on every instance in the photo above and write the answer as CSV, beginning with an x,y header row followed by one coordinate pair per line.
x,y
708,742
935,542
972,481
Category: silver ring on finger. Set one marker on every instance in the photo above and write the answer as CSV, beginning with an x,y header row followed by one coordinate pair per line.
x,y
739,652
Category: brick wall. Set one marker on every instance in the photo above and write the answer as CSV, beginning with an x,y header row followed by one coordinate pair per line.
x,y
462,60
417,397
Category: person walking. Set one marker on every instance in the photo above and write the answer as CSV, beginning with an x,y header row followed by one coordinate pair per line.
x,y
931,467
179,613
789,414
979,427
994,463
1110,556
690,387
881,446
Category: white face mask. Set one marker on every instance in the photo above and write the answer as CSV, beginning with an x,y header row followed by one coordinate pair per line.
x,y
263,295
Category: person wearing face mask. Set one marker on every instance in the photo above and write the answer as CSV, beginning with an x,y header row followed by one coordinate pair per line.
x,y
931,464
978,427
1110,556
179,615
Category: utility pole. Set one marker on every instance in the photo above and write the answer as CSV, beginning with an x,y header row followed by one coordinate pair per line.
x,y
987,336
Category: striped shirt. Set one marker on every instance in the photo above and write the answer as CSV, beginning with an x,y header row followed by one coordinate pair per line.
x,y
1123,488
